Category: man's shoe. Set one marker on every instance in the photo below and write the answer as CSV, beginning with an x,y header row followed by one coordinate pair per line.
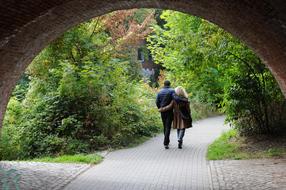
x,y
166,147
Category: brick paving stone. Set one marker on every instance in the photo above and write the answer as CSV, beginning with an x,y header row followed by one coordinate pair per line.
x,y
39,176
149,166
249,174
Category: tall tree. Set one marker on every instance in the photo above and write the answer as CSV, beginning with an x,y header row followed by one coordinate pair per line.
x,y
218,69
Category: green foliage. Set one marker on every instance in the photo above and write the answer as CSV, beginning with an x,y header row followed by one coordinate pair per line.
x,y
276,152
219,71
78,158
82,94
79,99
21,88
232,146
253,101
141,14
186,46
222,148
201,110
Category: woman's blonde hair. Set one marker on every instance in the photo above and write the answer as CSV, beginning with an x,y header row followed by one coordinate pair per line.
x,y
180,91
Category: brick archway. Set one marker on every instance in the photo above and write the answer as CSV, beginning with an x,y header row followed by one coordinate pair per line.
x,y
26,27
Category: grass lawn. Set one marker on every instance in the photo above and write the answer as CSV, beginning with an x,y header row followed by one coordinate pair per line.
x,y
78,158
231,146
85,158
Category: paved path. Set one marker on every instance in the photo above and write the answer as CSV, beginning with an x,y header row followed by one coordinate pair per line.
x,y
38,176
151,167
268,174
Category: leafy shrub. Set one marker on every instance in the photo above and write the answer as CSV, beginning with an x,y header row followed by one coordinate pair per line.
x,y
220,72
253,101
79,98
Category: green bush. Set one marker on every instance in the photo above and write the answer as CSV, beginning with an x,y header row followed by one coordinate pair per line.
x,y
220,72
79,98
253,102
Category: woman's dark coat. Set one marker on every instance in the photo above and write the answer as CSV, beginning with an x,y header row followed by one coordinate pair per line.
x,y
182,112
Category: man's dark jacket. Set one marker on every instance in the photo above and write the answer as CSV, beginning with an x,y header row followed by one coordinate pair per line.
x,y
164,97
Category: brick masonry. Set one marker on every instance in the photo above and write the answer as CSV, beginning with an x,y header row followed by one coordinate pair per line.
x,y
29,26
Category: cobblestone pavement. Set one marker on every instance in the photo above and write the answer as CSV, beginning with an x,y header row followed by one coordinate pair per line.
x,y
38,176
151,167
249,174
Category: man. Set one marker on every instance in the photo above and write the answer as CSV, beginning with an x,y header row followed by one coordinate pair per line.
x,y
163,99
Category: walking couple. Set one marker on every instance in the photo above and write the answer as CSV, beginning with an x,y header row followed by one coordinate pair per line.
x,y
175,108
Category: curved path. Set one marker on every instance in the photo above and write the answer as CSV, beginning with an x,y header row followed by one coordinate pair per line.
x,y
149,166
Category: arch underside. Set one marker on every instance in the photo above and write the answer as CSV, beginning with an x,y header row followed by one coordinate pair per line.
x,y
29,26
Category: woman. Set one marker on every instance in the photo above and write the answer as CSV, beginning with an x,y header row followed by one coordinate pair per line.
x,y
182,113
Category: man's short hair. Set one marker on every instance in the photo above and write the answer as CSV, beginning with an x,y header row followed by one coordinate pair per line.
x,y
167,83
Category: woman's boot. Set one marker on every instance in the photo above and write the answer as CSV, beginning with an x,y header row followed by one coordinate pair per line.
x,y
180,143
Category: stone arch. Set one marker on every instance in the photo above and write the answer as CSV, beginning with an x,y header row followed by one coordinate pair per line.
x,y
29,26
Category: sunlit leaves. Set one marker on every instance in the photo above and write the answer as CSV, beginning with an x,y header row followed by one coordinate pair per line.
x,y
219,69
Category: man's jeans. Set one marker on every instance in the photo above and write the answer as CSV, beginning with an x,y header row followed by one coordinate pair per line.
x,y
180,134
167,118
